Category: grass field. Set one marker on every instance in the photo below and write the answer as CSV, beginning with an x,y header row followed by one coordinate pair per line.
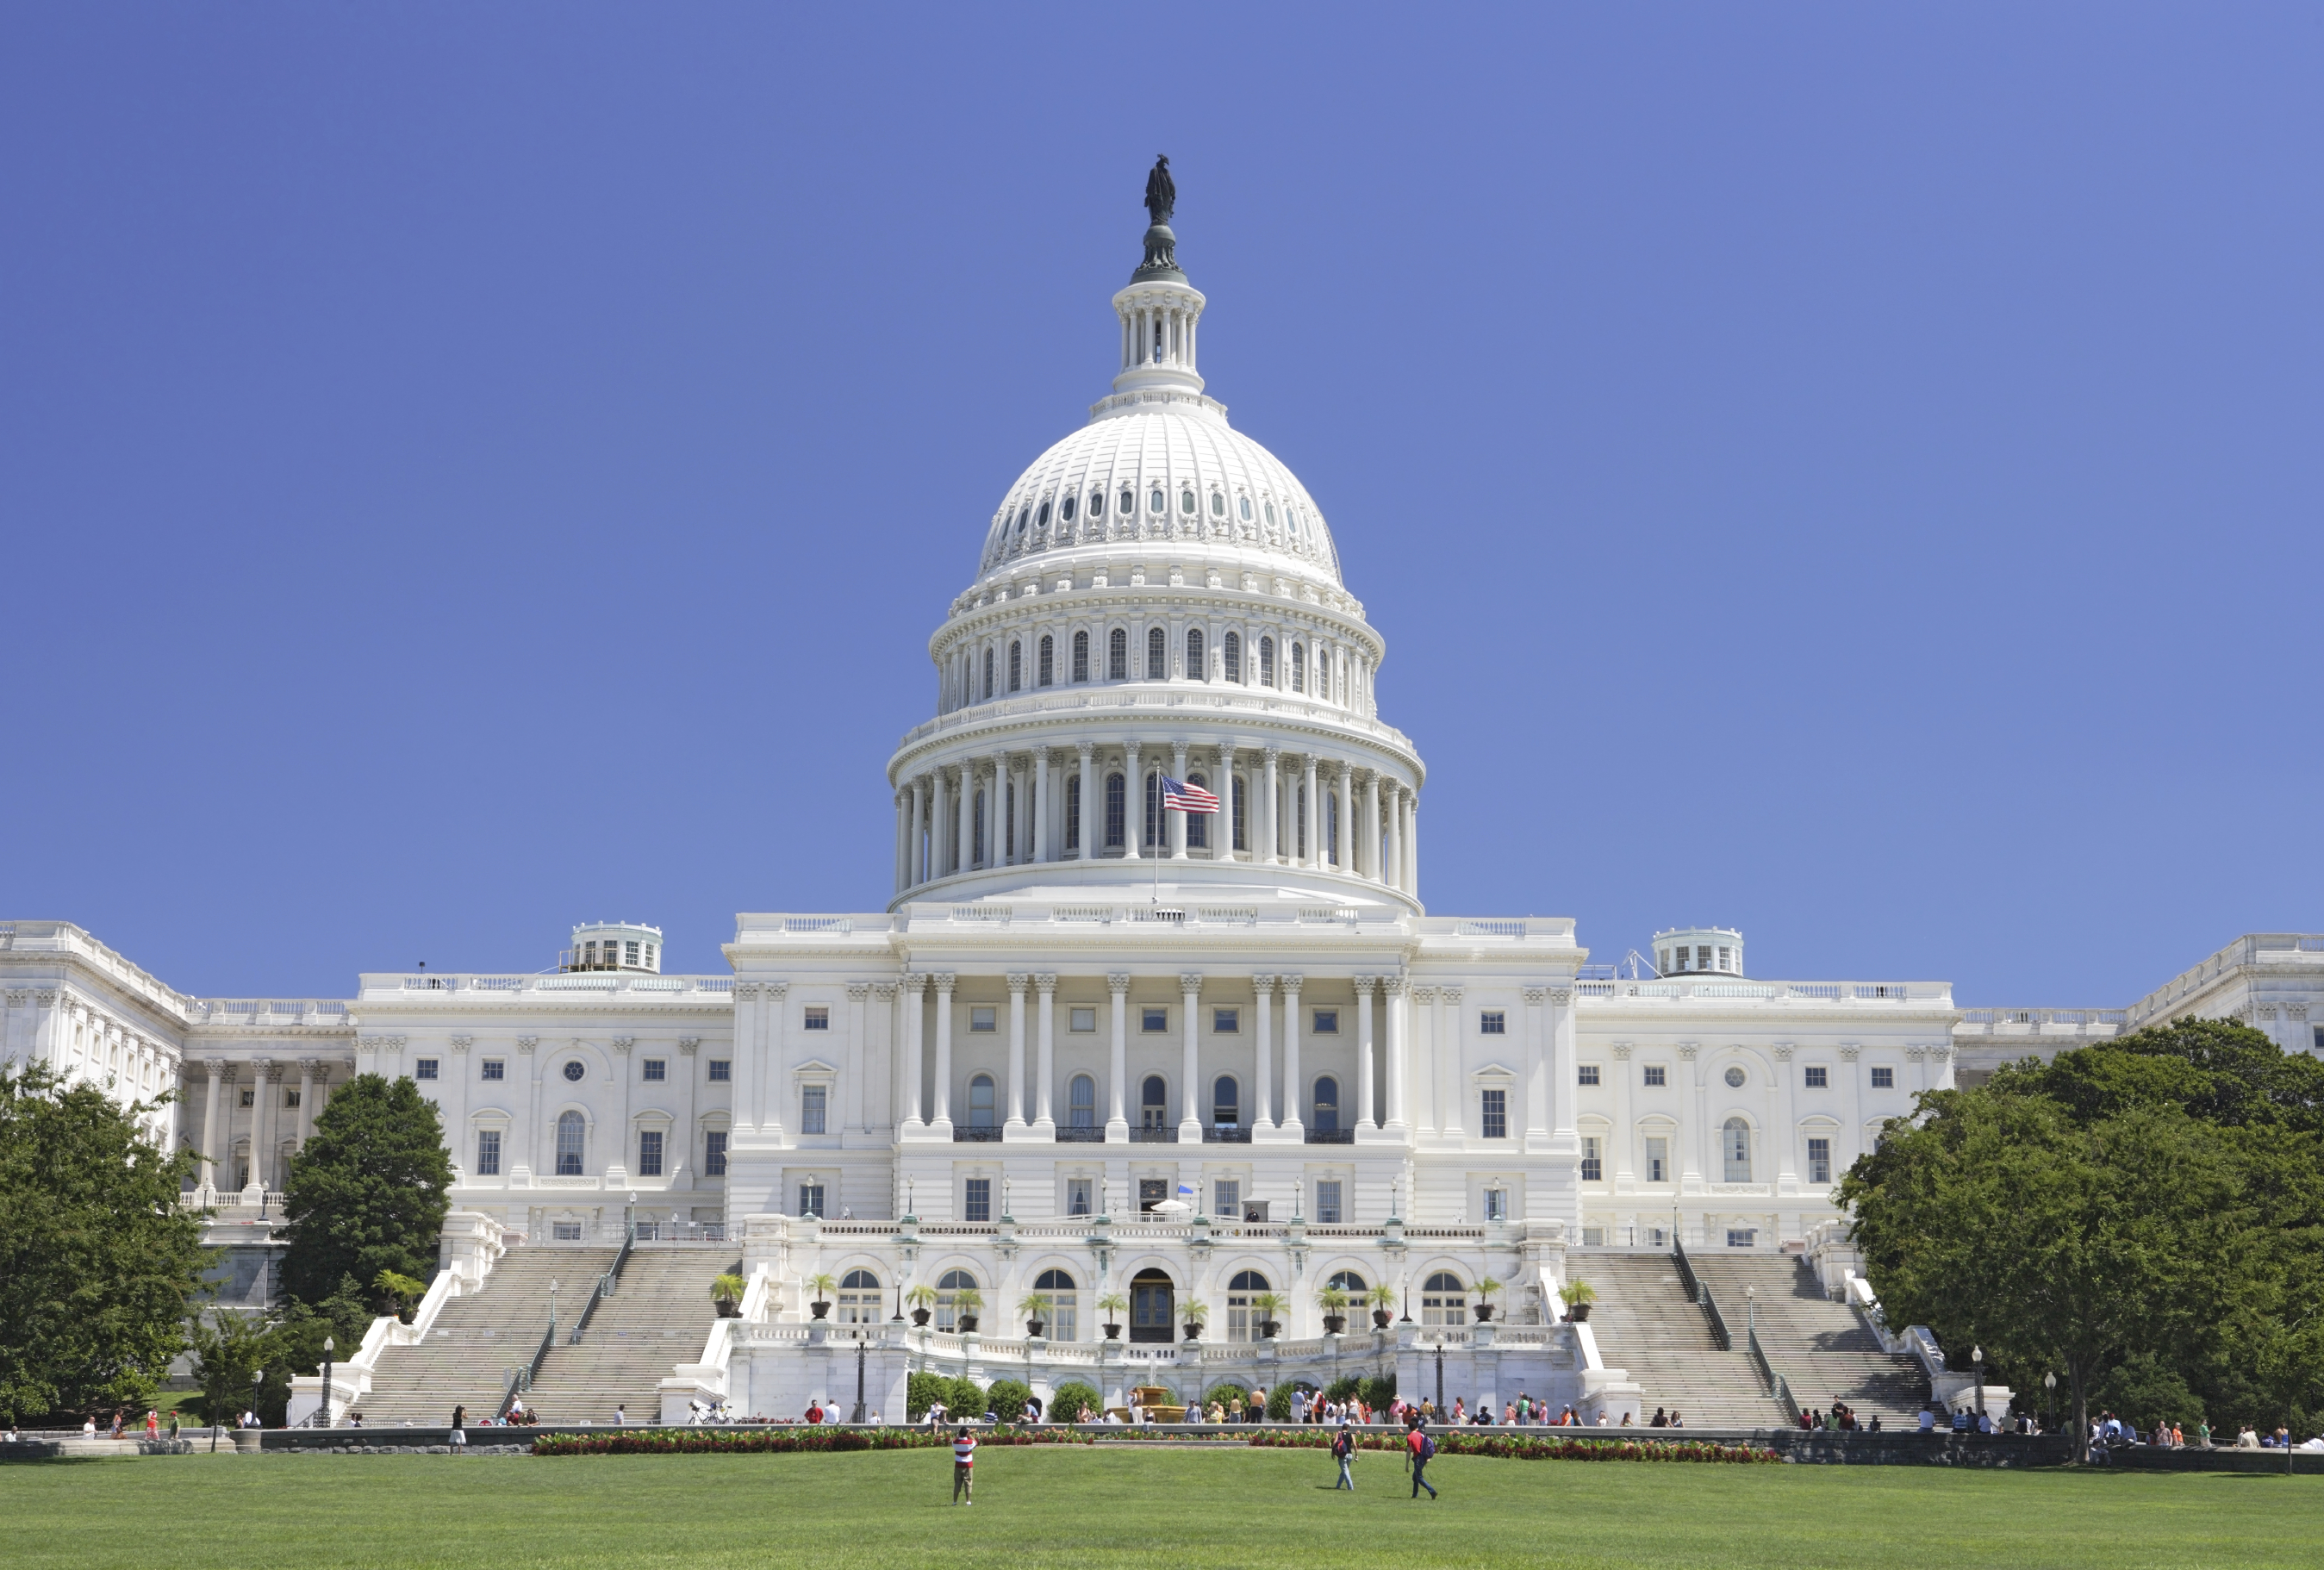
x,y
1096,1508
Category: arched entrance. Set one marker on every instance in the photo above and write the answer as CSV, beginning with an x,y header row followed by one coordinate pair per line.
x,y
1151,1307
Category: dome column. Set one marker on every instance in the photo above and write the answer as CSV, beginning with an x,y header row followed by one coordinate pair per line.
x,y
1270,791
1313,814
1368,850
964,844
1343,832
1412,844
1178,820
1042,849
903,836
1392,870
1092,810
915,871
939,818
1133,802
996,809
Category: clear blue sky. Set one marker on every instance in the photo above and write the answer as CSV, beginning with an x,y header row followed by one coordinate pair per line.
x,y
1851,473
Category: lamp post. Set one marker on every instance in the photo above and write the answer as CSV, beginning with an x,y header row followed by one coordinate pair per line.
x,y
2050,1418
857,1416
1440,1375
1976,1358
257,1383
630,1216
323,1413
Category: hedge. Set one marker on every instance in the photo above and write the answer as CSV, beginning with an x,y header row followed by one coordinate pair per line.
x,y
1524,1447
782,1441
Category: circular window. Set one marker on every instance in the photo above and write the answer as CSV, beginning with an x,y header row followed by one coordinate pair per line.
x,y
574,1070
1735,1078
1156,501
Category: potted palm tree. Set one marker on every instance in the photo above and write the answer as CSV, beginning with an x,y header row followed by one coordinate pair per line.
x,y
726,1294
1035,1306
1579,1295
1114,1304
1194,1315
1267,1305
1486,1288
965,1302
923,1299
821,1285
1382,1298
1333,1300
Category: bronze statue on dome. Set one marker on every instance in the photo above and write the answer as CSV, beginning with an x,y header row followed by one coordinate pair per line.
x,y
1161,191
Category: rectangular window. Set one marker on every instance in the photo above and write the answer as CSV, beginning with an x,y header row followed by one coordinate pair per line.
x,y
1741,1237
290,1098
1497,1114
721,1070
1818,1076
424,1068
1226,1021
1241,838
1497,1204
714,1153
629,952
657,1070
488,1153
1593,1162
1327,1022
1329,1210
249,1098
819,1019
1883,1079
1589,1074
564,1231
976,1202
810,1199
495,1068
648,1152
1227,1196
1082,1021
981,1018
1155,1021
1819,1160
1656,1073
1658,1158
1492,1022
1702,956
1077,1196
811,1108
1254,1210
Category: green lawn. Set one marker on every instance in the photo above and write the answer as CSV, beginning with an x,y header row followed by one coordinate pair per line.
x,y
1094,1507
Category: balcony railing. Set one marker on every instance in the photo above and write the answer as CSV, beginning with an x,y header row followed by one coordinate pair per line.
x,y
965,1135
1331,1136
1071,1136
1225,1134
1168,1136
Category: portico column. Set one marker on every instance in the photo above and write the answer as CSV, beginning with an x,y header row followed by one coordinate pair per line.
x,y
942,1121
1787,1177
1624,1131
1263,1100
1045,1073
1043,850
963,845
216,1067
527,1136
1364,1118
1564,1071
1178,820
1015,1120
1133,803
269,1074
1343,833
859,1053
1269,795
1190,1125
1853,1145
1690,1117
1392,990
307,1068
1117,1126
1294,1092
1092,810
1536,1078
915,1048
1313,814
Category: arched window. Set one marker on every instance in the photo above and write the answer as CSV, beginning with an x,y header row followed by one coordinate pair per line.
x,y
1218,505
1187,502
1041,519
1064,1304
1081,1102
1115,789
976,834
1198,824
1066,508
1097,504
1232,649
1153,1103
980,1102
1323,674
1266,663
1246,509
1326,1106
859,1298
1081,656
1157,654
1048,670
988,674
948,1284
1444,1300
1197,668
1128,503
572,1137
1116,656
1073,812
1156,503
1299,668
1016,666
1735,1145
1226,1103
1243,1323
1351,1283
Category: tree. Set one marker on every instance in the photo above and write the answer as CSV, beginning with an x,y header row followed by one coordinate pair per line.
x,y
99,1267
368,1192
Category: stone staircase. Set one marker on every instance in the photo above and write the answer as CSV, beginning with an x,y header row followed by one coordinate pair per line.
x,y
1644,1322
658,1317
477,1339
1818,1344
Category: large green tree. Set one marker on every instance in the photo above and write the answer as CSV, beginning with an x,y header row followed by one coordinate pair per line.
x,y
368,1192
2141,1216
99,1267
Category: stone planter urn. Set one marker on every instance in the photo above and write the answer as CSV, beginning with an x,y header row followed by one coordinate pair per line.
x,y
967,1324
1333,1324
919,1318
1578,1314
1269,1328
1033,1328
1483,1311
1380,1317
1194,1333
818,1310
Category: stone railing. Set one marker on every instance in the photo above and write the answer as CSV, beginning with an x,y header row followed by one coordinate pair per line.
x,y
1684,988
475,988
1178,701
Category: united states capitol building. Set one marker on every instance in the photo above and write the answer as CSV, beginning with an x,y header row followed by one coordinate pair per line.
x,y
1162,1070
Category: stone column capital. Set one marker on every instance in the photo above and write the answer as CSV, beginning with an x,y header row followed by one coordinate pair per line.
x,y
621,1044
1535,996
944,980
1018,982
527,1043
1561,996
1290,985
857,991
1046,982
1117,982
1365,983
312,1066
216,1067
1190,982
915,982
1621,1050
778,991
687,1046
1783,1052
1689,1050
1262,984
1394,985
459,1044
1850,1054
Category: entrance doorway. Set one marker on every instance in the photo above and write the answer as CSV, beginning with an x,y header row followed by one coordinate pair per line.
x,y
1151,1305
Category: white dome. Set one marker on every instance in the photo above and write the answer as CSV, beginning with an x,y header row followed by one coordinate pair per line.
x,y
1180,448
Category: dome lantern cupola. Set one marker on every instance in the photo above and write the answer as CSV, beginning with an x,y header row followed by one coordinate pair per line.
x,y
1159,310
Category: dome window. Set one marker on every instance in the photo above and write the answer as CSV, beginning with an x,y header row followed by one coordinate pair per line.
x,y
1197,668
1081,656
1231,648
1023,516
1218,505
988,674
1016,666
1246,509
1129,501
1157,654
1044,518
1066,508
1266,663
1116,656
1157,502
1270,514
1048,663
1186,502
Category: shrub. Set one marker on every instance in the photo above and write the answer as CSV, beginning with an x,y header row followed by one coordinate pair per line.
x,y
1007,1398
1076,1402
1522,1447
1379,1392
1224,1393
958,1396
1279,1403
1340,1388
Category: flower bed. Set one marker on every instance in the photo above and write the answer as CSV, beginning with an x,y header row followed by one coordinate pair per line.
x,y
783,1441
1526,1447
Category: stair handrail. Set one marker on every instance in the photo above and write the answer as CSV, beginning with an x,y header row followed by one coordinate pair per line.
x,y
1685,1266
1701,1293
604,1288
1778,1385
526,1370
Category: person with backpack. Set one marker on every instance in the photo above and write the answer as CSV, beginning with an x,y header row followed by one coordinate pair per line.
x,y
1343,1450
963,1468
1424,1450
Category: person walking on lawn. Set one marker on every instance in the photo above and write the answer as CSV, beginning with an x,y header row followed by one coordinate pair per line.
x,y
963,1468
1343,1450
1423,1449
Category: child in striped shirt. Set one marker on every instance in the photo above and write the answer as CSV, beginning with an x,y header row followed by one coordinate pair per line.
x,y
963,1468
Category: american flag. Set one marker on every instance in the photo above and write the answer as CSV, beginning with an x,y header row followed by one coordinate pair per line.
x,y
1177,797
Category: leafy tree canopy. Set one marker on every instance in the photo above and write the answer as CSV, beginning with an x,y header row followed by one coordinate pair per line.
x,y
99,1267
368,1192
